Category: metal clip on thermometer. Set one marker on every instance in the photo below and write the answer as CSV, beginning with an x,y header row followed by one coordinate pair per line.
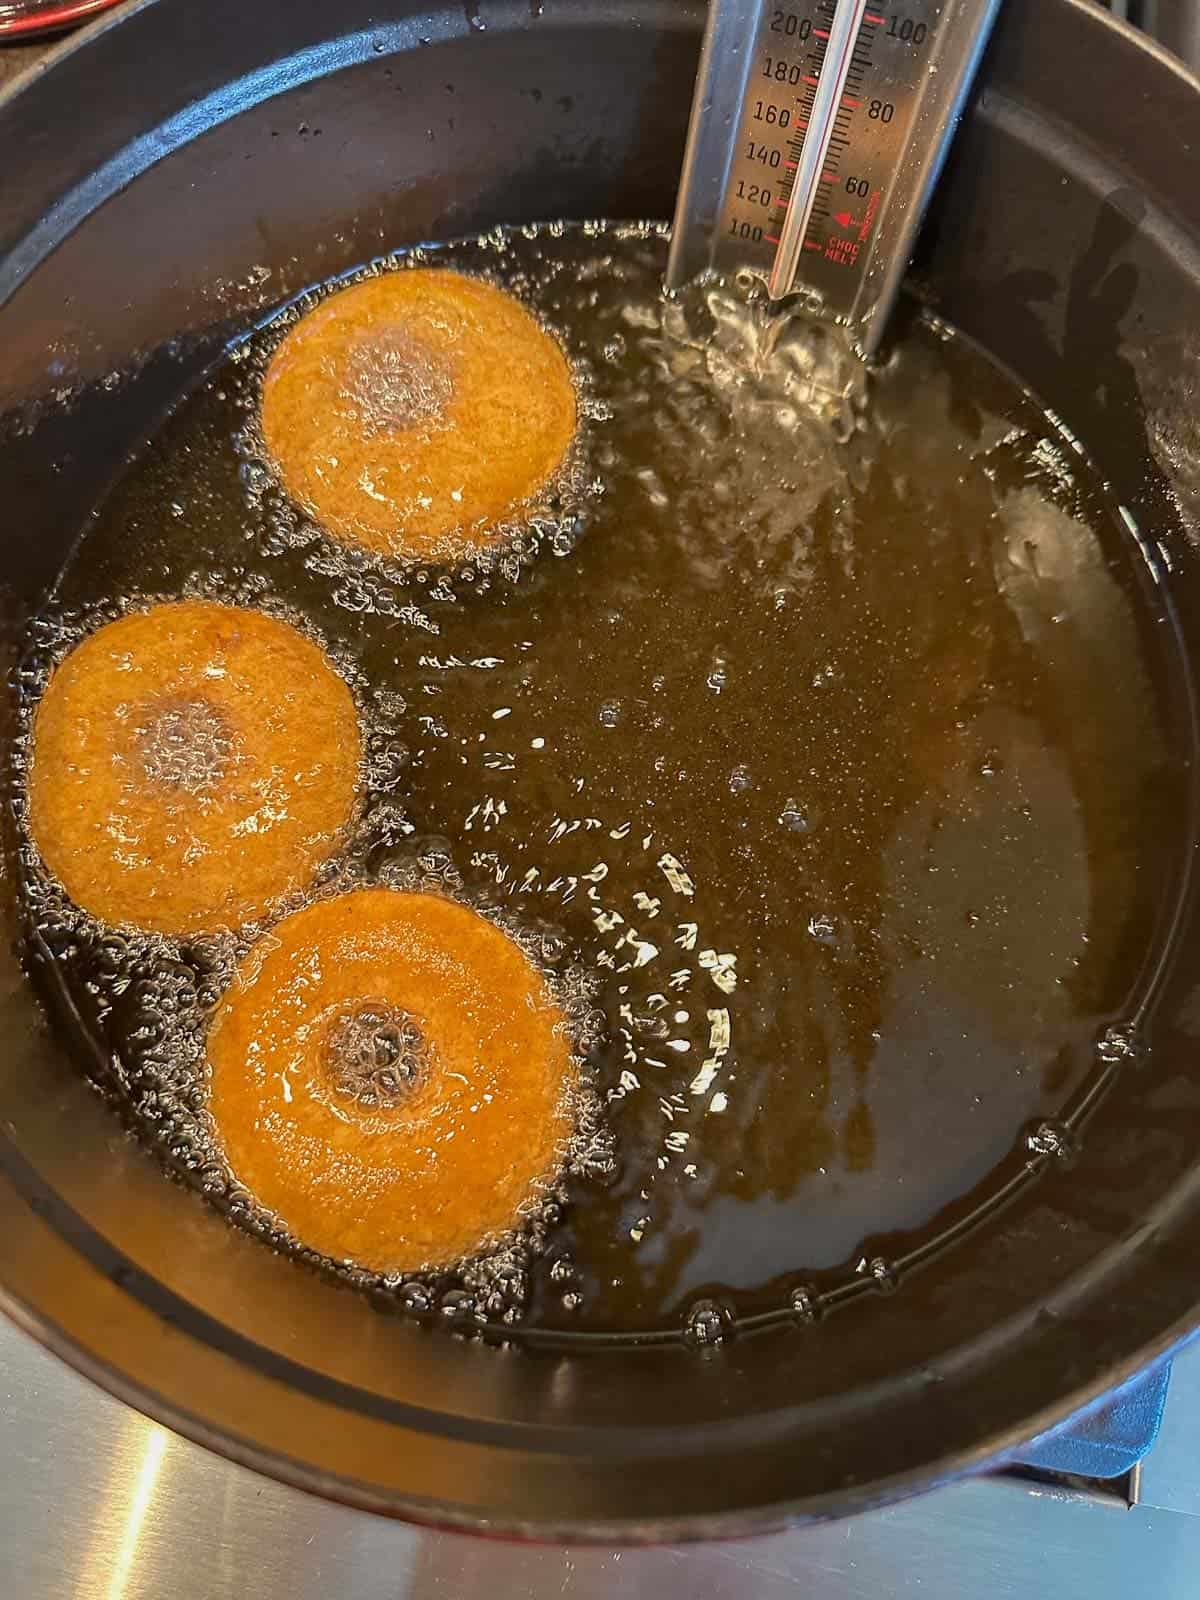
x,y
818,131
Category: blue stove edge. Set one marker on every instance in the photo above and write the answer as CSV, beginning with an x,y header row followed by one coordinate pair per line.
x,y
1110,1437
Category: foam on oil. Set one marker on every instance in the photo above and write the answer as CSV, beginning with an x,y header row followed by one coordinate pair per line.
x,y
822,775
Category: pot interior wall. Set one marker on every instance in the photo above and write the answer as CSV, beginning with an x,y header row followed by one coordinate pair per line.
x,y
291,158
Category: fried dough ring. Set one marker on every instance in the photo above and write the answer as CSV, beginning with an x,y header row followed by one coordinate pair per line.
x,y
413,412
191,764
390,1076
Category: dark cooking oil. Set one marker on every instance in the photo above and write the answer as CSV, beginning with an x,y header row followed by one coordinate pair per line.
x,y
815,736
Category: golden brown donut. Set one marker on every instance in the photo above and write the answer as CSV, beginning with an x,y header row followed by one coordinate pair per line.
x,y
191,764
413,412
390,1077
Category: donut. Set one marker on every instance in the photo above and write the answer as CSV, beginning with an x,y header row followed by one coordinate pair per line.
x,y
389,1075
191,764
415,412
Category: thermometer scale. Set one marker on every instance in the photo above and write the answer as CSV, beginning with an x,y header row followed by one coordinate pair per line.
x,y
818,131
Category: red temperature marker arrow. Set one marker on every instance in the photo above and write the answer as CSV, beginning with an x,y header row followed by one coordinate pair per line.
x,y
844,219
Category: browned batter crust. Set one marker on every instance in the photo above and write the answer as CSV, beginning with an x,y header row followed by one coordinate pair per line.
x,y
191,764
390,1076
413,412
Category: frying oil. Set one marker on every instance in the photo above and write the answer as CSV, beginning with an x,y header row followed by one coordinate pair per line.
x,y
807,735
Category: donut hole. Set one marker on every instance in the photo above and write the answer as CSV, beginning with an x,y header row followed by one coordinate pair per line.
x,y
374,1054
392,380
184,745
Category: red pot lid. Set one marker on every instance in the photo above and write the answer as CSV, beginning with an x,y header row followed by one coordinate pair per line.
x,y
26,17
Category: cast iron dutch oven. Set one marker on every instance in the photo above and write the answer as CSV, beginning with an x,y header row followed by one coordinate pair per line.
x,y
165,183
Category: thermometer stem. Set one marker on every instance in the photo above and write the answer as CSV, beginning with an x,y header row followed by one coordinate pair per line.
x,y
817,135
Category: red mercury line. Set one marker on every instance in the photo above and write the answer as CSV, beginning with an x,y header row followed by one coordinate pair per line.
x,y
844,31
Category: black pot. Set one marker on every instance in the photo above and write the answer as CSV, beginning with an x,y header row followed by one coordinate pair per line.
x,y
301,138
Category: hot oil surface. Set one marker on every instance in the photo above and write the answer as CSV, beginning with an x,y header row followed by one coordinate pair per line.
x,y
837,759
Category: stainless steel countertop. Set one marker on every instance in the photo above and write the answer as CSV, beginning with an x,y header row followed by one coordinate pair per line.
x,y
97,1503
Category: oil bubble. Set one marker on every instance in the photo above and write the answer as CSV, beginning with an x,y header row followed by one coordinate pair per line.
x,y
416,1297
1118,1045
1054,1139
458,1306
794,818
709,1323
883,1275
804,1303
